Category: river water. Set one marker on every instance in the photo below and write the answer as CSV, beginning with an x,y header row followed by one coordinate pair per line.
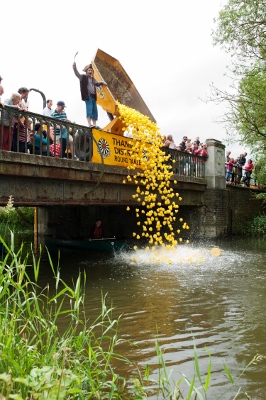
x,y
184,298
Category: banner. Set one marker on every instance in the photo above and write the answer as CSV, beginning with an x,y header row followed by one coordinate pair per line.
x,y
114,149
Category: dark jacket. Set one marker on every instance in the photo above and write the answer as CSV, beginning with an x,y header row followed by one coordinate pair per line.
x,y
85,94
241,161
83,80
183,145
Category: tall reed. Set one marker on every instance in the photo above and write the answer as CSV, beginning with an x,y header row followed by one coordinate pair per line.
x,y
40,362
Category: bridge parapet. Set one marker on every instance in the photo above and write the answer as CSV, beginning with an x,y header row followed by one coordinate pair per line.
x,y
215,171
33,180
82,143
17,134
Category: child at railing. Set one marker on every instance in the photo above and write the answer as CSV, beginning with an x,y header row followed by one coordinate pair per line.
x,y
40,142
60,134
229,170
21,132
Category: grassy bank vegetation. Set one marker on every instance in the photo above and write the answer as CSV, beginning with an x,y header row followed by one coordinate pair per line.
x,y
257,227
40,362
19,219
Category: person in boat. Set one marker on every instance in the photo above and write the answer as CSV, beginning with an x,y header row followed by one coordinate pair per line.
x,y
97,230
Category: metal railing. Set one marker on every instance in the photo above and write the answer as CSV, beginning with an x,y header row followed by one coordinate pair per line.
x,y
235,177
186,164
72,141
63,139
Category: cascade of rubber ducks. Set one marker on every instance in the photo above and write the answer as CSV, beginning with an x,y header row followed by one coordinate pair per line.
x,y
153,182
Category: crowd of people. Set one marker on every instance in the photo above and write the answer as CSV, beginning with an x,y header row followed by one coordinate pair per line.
x,y
238,170
189,157
23,136
186,145
26,137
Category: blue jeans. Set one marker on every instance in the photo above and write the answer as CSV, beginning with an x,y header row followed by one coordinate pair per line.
x,y
228,174
91,109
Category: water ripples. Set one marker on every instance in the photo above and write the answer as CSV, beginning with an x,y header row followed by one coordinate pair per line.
x,y
184,298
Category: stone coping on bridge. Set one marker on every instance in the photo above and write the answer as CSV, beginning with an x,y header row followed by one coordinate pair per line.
x,y
67,169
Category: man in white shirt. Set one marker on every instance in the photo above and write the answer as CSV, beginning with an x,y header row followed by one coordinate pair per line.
x,y
47,111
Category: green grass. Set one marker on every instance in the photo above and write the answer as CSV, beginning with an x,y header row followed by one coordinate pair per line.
x,y
40,362
36,360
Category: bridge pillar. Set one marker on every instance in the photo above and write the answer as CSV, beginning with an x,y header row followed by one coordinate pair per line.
x,y
42,220
213,215
215,167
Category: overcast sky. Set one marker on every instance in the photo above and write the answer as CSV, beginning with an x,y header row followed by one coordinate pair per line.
x,y
164,46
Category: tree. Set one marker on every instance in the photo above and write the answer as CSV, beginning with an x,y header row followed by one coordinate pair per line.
x,y
241,31
246,105
251,116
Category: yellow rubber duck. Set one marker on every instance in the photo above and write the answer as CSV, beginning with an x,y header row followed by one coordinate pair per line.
x,y
216,252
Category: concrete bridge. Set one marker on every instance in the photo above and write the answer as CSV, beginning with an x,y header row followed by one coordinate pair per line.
x,y
86,189
45,181
81,190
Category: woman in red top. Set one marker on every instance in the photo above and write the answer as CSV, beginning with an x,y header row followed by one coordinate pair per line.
x,y
204,151
196,149
248,171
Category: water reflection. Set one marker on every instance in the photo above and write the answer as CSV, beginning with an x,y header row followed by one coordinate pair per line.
x,y
183,298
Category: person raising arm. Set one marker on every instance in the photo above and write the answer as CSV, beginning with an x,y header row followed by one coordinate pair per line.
x,y
88,92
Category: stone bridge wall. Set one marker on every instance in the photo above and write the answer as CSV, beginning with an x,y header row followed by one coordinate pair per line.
x,y
221,213
242,207
224,212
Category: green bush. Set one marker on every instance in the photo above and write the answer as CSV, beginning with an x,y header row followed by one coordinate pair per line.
x,y
16,219
257,226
